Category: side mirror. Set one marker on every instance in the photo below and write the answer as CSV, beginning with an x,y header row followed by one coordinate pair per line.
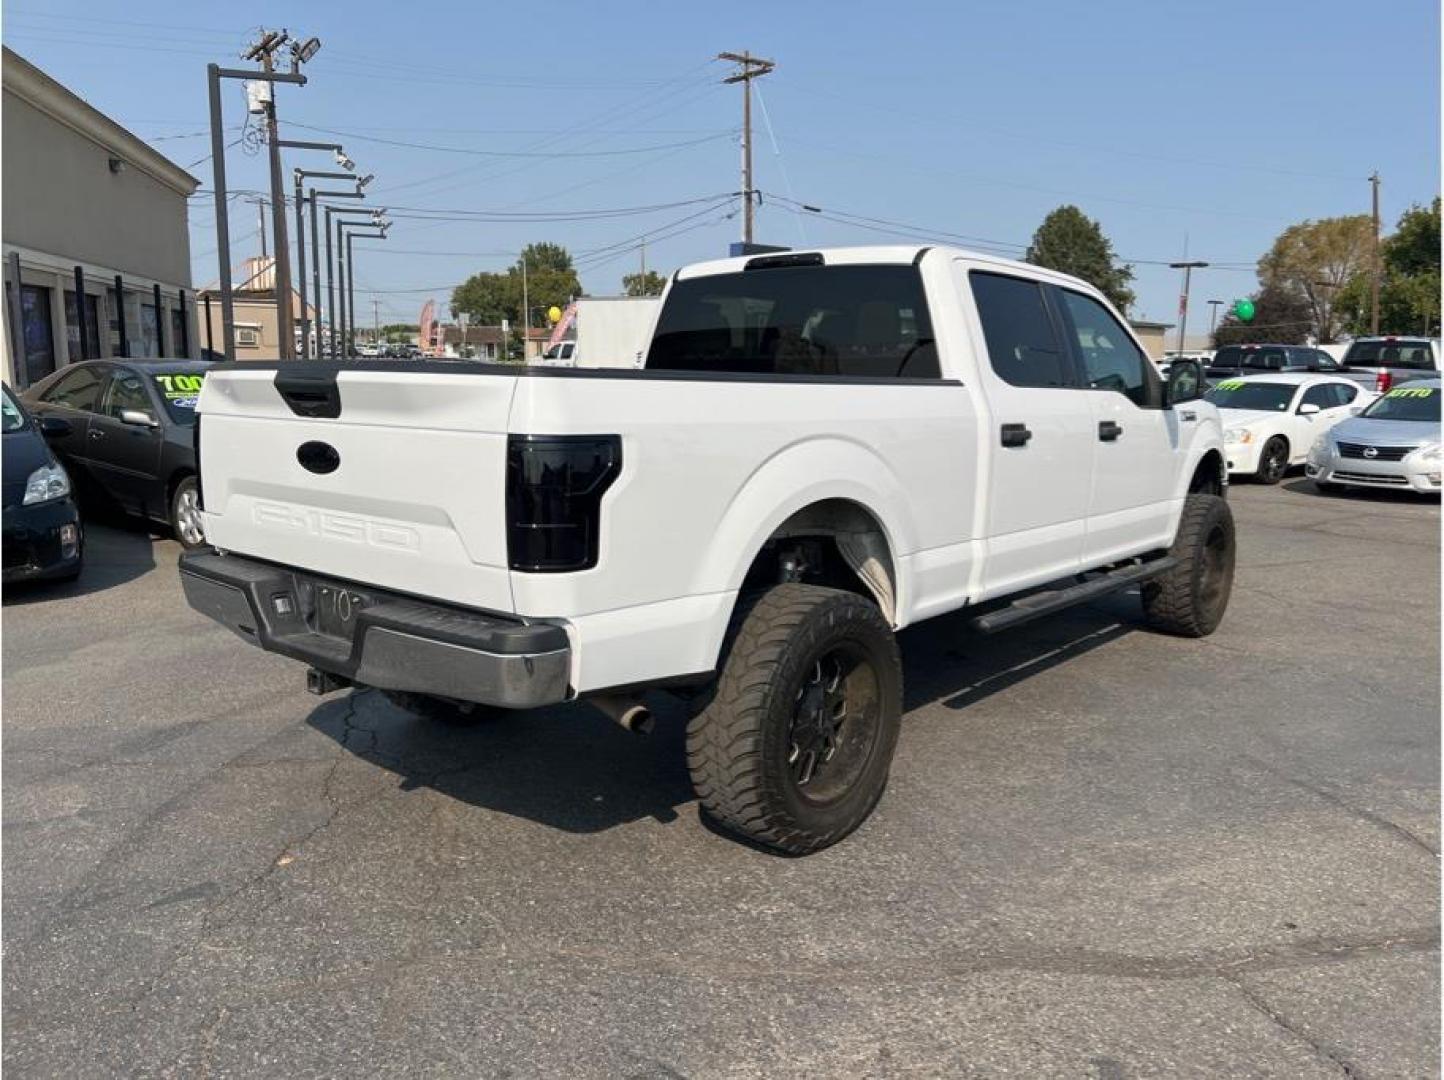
x,y
138,418
55,427
1185,382
1308,409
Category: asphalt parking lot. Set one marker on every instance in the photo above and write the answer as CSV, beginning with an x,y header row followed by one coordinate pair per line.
x,y
1103,852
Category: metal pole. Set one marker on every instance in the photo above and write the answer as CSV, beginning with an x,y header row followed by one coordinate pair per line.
x,y
316,272
746,160
210,330
185,325
80,314
350,285
1213,306
223,228
1187,268
120,315
301,268
330,285
341,288
1374,286
525,309
159,322
285,327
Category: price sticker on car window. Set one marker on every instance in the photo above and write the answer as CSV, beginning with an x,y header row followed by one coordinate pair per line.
x,y
180,390
1230,384
1411,392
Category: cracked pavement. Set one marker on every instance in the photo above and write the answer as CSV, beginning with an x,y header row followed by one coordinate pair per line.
x,y
1103,853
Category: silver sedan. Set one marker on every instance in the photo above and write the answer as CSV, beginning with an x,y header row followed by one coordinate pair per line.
x,y
1394,443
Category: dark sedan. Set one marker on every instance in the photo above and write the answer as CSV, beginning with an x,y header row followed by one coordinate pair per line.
x,y
42,537
130,437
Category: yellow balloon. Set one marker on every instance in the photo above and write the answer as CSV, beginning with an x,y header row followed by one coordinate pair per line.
x,y
554,314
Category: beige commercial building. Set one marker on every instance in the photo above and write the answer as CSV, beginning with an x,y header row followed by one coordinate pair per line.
x,y
95,239
1152,335
253,296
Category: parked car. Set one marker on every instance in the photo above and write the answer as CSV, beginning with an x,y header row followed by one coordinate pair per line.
x,y
821,448
1380,363
1236,361
42,533
130,437
1270,421
1394,443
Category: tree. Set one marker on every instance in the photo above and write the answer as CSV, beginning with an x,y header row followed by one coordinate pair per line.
x,y
1071,242
649,284
1281,317
1314,260
489,297
1409,289
399,332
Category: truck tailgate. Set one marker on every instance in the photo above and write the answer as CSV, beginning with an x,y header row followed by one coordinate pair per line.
x,y
394,478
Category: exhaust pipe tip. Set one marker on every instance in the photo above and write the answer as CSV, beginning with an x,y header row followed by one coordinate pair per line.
x,y
628,712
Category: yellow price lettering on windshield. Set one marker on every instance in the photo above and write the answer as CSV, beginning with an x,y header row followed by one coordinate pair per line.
x,y
1405,391
1231,384
180,385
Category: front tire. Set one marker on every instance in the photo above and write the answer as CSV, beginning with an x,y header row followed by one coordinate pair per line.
x,y
1190,599
185,514
1273,462
793,749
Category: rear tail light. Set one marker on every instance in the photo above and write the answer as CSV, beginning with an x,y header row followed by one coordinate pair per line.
x,y
554,489
1383,381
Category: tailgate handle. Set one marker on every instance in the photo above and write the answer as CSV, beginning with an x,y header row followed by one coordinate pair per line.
x,y
310,393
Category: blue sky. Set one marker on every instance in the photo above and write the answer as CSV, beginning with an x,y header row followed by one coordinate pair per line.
x,y
1214,125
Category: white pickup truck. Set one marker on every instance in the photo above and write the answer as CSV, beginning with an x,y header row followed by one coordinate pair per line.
x,y
822,448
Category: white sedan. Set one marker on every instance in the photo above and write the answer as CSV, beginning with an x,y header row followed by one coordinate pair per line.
x,y
1271,421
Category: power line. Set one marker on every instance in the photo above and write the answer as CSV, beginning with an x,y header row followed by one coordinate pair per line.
x,y
473,152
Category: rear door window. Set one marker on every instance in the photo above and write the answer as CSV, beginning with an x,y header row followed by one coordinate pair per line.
x,y
868,321
1023,344
79,390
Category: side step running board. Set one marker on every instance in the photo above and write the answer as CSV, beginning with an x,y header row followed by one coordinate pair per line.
x,y
1043,603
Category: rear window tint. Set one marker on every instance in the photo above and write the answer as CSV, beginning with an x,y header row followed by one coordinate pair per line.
x,y
1022,345
1414,355
862,321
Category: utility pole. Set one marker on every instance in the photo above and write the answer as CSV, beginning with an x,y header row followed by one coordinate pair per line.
x,y
752,67
261,217
264,51
525,308
375,321
1187,268
1213,306
1374,287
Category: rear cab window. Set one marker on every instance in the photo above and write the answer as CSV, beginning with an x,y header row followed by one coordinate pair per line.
x,y
861,321
1413,355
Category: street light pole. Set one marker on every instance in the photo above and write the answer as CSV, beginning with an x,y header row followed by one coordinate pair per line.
x,y
330,260
214,74
347,288
298,175
1187,268
1213,306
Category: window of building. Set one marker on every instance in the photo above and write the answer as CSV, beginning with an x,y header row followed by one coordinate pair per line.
x,y
39,333
1111,360
248,335
1022,345
90,327
179,340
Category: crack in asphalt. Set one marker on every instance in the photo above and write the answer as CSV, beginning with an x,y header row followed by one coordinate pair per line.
x,y
1324,1052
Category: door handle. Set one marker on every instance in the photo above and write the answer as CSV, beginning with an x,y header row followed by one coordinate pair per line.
x,y
1016,434
1108,431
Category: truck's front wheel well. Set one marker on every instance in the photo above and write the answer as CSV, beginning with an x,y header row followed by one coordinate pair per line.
x,y
1209,477
835,543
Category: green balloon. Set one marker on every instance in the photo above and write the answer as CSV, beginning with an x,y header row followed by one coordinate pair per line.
x,y
1244,310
